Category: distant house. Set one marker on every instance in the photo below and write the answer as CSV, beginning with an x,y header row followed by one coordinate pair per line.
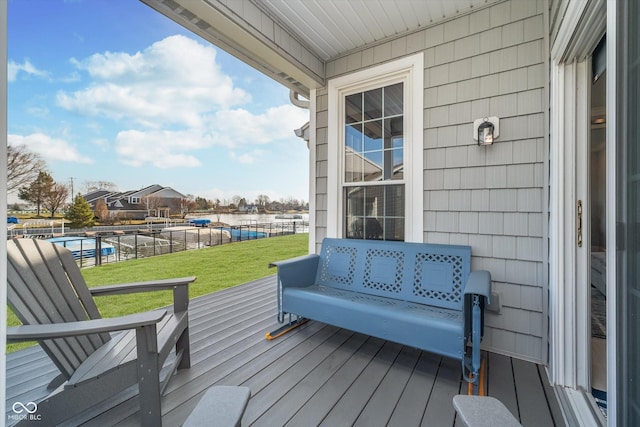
x,y
154,200
248,209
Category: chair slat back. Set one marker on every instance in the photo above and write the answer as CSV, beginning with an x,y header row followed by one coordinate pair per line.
x,y
46,286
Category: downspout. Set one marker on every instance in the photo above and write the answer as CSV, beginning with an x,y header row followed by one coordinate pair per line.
x,y
302,132
295,100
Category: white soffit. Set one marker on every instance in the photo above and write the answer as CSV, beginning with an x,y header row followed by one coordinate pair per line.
x,y
331,28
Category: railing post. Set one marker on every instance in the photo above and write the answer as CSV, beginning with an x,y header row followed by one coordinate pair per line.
x,y
81,253
98,250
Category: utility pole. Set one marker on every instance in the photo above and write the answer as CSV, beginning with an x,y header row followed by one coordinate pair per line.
x,y
71,179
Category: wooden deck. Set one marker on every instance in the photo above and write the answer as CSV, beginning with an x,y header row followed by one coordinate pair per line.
x,y
314,375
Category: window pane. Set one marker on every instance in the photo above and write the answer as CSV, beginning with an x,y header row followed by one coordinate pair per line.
x,y
373,166
354,218
398,164
393,100
352,167
373,104
373,135
394,229
353,137
374,212
353,108
394,205
393,132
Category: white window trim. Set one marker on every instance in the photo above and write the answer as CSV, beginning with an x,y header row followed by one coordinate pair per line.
x,y
312,171
410,70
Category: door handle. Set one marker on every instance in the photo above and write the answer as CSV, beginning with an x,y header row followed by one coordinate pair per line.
x,y
579,222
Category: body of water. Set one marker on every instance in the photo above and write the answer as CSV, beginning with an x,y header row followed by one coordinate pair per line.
x,y
247,219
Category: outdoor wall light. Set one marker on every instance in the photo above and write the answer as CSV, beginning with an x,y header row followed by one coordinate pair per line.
x,y
486,130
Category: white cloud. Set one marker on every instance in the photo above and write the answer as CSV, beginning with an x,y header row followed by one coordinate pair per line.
x,y
240,127
49,148
26,67
239,130
248,157
176,102
162,149
174,81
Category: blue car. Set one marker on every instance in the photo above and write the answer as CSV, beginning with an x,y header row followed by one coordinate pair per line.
x,y
12,220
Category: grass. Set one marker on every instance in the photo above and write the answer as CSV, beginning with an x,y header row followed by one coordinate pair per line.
x,y
216,268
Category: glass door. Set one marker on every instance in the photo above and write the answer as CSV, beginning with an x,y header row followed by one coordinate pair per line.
x,y
597,226
627,319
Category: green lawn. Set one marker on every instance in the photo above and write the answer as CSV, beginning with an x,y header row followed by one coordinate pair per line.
x,y
216,268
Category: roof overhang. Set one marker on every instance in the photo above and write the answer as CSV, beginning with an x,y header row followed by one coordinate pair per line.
x,y
259,43
292,40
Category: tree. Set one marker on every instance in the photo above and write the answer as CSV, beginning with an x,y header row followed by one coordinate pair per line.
x,y
235,200
262,200
186,206
152,203
202,203
23,167
36,191
91,186
55,198
102,212
80,213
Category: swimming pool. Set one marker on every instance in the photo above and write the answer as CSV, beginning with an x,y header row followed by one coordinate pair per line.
x,y
84,247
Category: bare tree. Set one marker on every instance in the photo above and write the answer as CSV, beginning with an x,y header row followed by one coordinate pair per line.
x,y
90,186
186,206
236,200
23,166
262,200
152,203
102,211
55,198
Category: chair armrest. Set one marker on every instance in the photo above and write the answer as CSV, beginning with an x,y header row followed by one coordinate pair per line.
x,y
84,327
297,272
148,286
479,283
178,285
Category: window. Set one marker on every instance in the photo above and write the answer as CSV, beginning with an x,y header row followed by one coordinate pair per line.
x,y
375,168
374,164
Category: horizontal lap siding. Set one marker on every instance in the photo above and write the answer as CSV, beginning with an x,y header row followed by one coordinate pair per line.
x,y
487,63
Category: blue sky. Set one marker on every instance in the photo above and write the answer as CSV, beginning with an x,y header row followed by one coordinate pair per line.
x,y
110,90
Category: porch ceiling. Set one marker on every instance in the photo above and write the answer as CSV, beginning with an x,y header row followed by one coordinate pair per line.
x,y
330,28
291,40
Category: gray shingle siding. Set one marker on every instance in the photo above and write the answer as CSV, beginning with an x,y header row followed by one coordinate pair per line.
x,y
487,63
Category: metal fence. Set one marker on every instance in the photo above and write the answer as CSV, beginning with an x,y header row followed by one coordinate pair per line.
x,y
114,244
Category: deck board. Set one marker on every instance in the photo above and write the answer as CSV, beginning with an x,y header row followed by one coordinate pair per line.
x,y
316,374
417,392
315,410
381,406
500,382
440,411
534,410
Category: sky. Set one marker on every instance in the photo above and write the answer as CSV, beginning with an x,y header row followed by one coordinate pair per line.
x,y
111,90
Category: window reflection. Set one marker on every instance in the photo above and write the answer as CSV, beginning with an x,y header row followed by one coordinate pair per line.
x,y
374,153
